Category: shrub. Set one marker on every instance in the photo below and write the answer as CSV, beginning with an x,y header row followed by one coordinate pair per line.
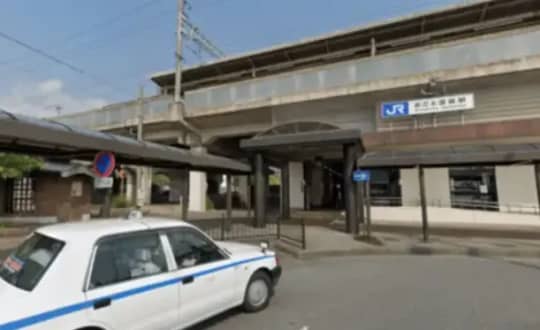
x,y
120,202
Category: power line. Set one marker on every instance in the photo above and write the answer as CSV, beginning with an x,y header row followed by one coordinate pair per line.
x,y
113,19
42,53
194,33
101,24
50,57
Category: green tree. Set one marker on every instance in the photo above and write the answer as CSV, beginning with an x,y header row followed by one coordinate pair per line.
x,y
15,166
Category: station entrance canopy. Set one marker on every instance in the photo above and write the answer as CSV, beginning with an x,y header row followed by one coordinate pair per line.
x,y
54,140
302,141
496,154
473,155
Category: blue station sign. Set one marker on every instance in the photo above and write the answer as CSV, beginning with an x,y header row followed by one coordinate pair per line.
x,y
395,109
361,176
424,106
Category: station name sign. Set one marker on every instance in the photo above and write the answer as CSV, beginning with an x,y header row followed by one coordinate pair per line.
x,y
432,105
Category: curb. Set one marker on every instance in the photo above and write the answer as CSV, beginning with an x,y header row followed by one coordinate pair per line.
x,y
416,249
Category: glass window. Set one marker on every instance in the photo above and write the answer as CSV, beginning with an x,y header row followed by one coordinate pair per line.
x,y
125,258
26,266
192,248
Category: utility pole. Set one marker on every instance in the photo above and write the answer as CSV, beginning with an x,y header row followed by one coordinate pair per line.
x,y
139,200
140,114
179,56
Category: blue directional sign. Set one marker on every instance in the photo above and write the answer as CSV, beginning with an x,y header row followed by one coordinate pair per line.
x,y
361,176
395,109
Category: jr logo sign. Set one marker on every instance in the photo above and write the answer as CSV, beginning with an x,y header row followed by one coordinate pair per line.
x,y
394,109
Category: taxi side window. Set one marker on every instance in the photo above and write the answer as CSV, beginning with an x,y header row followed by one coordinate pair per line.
x,y
125,258
192,248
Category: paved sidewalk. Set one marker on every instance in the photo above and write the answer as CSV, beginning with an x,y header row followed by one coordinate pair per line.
x,y
323,242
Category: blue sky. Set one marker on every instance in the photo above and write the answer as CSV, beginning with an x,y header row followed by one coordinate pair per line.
x,y
119,43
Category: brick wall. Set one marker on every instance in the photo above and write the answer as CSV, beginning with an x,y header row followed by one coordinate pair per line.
x,y
53,196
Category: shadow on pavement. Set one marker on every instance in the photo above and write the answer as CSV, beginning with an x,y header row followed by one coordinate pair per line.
x,y
216,320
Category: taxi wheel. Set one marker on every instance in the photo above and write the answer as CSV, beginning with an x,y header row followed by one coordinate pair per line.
x,y
258,292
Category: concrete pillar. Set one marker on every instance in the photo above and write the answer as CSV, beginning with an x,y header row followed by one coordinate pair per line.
x,y
285,192
260,191
410,189
307,185
537,174
197,191
349,157
228,196
516,187
438,186
144,186
242,188
184,193
296,185
130,186
437,182
317,184
423,203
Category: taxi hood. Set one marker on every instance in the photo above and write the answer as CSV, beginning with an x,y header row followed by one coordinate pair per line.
x,y
240,249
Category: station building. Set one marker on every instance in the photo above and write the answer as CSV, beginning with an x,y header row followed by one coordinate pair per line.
x,y
465,76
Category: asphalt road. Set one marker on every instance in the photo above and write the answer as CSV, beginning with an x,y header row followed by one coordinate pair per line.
x,y
408,292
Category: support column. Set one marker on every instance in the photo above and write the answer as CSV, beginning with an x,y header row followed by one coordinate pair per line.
x,y
537,175
185,191
242,188
285,192
307,186
130,186
296,185
260,191
197,191
423,204
229,196
249,199
360,199
349,157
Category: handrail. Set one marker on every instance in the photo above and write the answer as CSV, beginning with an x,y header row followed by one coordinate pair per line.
x,y
511,208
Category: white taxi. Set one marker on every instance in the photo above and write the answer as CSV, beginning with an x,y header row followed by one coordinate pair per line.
x,y
130,274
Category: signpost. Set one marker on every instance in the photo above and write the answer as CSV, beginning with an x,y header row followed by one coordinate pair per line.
x,y
104,164
103,183
432,105
363,178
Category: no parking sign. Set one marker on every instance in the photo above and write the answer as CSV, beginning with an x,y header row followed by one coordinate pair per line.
x,y
104,164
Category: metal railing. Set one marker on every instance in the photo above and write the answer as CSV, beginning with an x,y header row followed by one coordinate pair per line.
x,y
342,75
386,201
156,108
293,231
244,229
467,204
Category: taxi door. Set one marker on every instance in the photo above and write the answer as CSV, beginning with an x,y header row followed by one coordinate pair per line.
x,y
207,281
130,286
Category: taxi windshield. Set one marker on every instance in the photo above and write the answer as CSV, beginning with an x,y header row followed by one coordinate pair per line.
x,y
25,267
